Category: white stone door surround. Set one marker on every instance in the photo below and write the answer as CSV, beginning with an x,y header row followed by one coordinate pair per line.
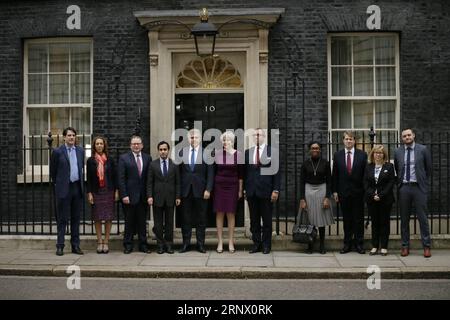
x,y
168,40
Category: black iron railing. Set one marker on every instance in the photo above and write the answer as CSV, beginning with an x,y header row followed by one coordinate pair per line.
x,y
28,206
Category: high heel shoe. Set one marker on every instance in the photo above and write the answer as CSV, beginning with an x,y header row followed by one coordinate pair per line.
x,y
105,248
231,249
99,247
219,249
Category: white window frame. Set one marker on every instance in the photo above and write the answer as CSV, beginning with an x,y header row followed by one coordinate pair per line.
x,y
359,98
27,176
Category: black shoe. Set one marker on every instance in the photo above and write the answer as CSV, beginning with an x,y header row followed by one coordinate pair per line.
x,y
266,251
59,251
255,249
169,249
345,249
360,250
77,250
201,248
309,250
184,248
160,249
127,250
145,250
322,247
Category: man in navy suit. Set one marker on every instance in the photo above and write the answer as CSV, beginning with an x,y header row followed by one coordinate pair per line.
x,y
132,179
413,166
197,179
66,171
261,190
349,166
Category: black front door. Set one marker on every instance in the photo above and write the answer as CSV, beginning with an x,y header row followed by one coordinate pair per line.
x,y
217,110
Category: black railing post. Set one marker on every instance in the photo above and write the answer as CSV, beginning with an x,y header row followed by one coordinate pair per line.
x,y
372,135
52,208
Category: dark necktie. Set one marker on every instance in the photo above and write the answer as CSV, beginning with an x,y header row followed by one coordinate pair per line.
x,y
139,165
349,162
258,161
164,168
408,164
192,165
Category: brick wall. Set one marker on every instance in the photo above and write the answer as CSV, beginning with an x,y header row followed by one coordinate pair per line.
x,y
297,43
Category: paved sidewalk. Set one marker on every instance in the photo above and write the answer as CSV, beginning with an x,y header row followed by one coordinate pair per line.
x,y
241,264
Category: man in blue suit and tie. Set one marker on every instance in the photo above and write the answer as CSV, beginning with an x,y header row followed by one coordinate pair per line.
x,y
413,166
66,171
349,166
132,180
261,190
197,179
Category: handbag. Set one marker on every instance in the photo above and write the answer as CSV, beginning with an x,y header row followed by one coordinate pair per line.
x,y
303,232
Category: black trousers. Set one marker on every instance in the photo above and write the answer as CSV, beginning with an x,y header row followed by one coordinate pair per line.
x,y
353,214
193,210
68,209
163,228
260,208
380,214
135,222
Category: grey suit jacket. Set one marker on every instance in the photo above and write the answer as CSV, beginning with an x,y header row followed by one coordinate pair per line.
x,y
423,165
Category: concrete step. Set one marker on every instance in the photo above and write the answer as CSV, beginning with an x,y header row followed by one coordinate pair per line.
x,y
279,242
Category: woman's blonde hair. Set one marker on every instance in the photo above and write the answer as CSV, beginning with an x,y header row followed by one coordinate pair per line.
x,y
378,148
227,135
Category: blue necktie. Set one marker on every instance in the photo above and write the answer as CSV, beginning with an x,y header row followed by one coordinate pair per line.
x,y
73,165
192,165
164,168
408,164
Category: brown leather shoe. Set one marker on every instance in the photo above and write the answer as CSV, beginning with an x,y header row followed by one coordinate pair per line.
x,y
405,252
426,252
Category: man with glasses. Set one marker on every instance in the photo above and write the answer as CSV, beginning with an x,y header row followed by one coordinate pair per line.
x,y
261,191
133,167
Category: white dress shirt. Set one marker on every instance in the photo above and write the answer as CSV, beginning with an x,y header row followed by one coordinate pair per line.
x,y
136,158
352,156
261,149
195,154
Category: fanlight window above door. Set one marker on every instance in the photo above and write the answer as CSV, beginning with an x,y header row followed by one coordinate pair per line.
x,y
209,73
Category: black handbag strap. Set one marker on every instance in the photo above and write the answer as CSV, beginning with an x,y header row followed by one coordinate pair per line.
x,y
302,217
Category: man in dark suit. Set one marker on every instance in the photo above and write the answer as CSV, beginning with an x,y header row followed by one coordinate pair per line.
x,y
66,170
163,192
261,190
197,179
413,166
132,179
349,166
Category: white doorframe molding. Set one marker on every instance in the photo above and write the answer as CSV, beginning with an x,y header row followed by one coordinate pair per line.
x,y
167,40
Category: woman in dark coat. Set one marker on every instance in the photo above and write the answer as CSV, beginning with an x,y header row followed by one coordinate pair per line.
x,y
379,180
101,190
